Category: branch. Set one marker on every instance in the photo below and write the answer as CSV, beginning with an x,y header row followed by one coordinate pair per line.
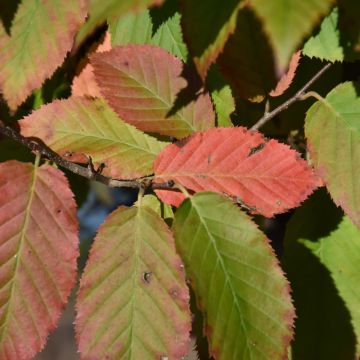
x,y
86,172
298,96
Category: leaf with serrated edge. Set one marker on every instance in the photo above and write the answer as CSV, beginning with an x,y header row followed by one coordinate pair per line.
x,y
287,78
41,35
321,257
247,60
76,127
101,11
131,28
39,247
236,278
206,38
336,40
141,82
267,176
133,299
287,22
333,133
84,84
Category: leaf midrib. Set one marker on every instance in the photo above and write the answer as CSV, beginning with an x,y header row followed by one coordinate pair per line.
x,y
19,249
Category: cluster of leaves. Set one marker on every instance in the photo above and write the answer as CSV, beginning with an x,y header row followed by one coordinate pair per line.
x,y
154,101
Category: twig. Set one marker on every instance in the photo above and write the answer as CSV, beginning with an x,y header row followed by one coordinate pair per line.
x,y
298,96
86,172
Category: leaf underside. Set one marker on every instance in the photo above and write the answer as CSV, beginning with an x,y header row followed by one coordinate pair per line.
x,y
133,299
76,127
38,251
267,176
41,35
247,60
236,279
333,133
206,38
141,82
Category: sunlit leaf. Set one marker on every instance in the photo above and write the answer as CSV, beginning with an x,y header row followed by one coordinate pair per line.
x,y
133,299
333,131
42,33
79,127
38,251
267,176
141,82
236,278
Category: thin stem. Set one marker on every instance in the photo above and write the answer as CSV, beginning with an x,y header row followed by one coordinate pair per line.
x,y
86,172
298,96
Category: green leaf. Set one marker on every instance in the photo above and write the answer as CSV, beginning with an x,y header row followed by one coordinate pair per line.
x,y
76,127
332,128
169,36
236,278
137,28
133,299
101,11
40,39
131,28
152,202
329,44
207,25
322,256
287,22
222,97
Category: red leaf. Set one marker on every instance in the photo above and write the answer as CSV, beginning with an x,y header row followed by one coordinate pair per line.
x,y
141,82
267,176
287,78
38,251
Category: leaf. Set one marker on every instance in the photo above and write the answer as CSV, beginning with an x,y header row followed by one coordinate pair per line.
x,y
78,126
236,279
333,133
38,251
206,38
101,11
169,36
152,202
137,28
222,97
131,28
331,43
321,258
287,22
133,299
84,84
40,38
267,176
140,82
247,61
287,78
